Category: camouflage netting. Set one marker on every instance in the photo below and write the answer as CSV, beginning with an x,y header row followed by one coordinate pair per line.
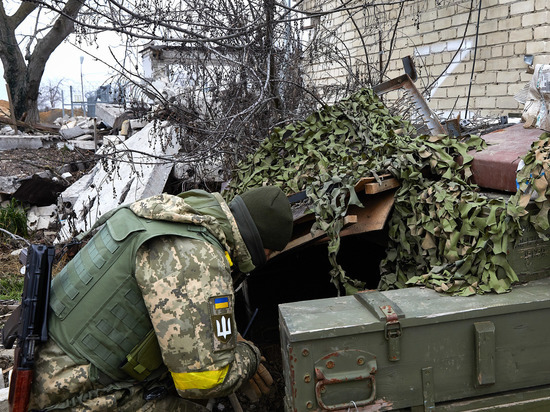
x,y
443,233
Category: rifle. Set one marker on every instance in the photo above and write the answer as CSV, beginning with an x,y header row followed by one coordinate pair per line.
x,y
29,323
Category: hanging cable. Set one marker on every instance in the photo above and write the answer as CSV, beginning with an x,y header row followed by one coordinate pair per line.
x,y
428,88
474,62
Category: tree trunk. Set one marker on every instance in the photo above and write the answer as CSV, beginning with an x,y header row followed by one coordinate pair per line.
x,y
12,58
23,78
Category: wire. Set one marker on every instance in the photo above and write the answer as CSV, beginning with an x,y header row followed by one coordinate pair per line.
x,y
474,62
457,51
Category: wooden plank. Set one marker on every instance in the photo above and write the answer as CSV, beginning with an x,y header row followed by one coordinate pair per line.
x,y
360,185
12,111
372,216
348,220
23,125
387,184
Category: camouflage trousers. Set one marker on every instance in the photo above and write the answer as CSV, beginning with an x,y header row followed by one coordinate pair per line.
x,y
62,385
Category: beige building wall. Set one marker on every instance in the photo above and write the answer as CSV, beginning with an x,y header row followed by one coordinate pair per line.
x,y
440,35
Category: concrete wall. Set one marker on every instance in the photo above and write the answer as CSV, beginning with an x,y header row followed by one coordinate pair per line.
x,y
437,34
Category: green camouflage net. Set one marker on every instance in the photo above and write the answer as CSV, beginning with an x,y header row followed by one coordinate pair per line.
x,y
443,233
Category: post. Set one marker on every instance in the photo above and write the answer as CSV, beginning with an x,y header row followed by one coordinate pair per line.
x,y
72,105
62,104
82,86
12,111
96,140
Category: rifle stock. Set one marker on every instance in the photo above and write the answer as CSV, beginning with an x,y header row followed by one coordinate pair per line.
x,y
21,380
31,328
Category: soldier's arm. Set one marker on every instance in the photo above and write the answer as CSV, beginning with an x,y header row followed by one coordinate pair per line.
x,y
187,289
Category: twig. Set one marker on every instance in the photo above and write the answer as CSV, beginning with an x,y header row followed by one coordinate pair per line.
x,y
16,237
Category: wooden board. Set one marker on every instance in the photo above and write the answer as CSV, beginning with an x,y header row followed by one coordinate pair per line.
x,y
387,184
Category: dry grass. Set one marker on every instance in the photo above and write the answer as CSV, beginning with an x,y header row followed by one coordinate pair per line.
x,y
4,108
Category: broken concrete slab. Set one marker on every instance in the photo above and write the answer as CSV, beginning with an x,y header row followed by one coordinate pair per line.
x,y
82,144
72,132
211,171
136,124
129,171
108,113
41,218
113,139
85,137
9,184
70,195
26,142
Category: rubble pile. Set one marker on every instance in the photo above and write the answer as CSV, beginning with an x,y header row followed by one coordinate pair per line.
x,y
127,171
443,232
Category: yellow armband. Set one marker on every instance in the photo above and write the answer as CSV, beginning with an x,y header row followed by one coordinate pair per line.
x,y
199,380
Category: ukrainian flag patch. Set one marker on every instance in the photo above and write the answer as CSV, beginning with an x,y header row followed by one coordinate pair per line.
x,y
224,330
221,303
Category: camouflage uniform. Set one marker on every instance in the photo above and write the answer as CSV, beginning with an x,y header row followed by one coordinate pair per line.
x,y
187,289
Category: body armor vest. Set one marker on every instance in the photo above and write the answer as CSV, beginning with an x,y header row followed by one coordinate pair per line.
x,y
98,315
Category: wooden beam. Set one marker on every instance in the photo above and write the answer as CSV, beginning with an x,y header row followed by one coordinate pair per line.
x,y
386,184
12,111
23,125
348,220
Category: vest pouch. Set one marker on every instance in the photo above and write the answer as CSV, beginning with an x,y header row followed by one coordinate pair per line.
x,y
144,358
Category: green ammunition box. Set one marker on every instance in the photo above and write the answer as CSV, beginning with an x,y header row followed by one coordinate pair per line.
x,y
415,349
530,256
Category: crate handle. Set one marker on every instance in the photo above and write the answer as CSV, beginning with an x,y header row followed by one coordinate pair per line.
x,y
322,382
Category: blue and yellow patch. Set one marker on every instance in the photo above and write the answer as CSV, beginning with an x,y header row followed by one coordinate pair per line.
x,y
223,325
221,303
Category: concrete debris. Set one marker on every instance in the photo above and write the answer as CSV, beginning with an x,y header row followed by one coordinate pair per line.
x,y
61,120
27,142
9,184
212,172
42,218
81,144
109,113
84,137
113,139
137,124
70,196
167,89
8,131
73,132
121,177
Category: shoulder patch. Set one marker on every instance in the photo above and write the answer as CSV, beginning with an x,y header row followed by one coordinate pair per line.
x,y
223,322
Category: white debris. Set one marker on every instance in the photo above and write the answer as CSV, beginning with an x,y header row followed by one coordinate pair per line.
x,y
137,124
7,130
132,170
108,113
113,139
39,218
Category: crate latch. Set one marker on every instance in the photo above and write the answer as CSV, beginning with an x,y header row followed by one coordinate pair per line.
x,y
392,333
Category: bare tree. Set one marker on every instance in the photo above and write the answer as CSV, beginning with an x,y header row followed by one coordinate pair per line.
x,y
24,63
50,94
242,65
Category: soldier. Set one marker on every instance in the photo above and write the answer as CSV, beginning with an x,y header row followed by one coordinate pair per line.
x,y
145,311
